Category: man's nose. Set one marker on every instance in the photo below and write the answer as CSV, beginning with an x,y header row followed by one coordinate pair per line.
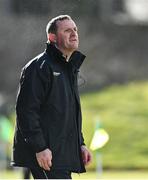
x,y
74,33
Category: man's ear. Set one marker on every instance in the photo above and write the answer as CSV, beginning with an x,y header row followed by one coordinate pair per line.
x,y
52,37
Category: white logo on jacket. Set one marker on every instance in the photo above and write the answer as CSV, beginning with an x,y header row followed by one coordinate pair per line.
x,y
56,73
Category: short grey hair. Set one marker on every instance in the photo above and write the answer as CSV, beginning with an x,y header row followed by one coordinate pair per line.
x,y
52,24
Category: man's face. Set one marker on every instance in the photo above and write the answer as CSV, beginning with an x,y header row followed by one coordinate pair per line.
x,y
67,35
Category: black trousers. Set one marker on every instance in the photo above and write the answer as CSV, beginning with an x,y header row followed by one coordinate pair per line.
x,y
26,173
52,174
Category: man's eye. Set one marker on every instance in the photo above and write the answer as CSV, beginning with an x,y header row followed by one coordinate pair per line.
x,y
68,30
71,30
76,29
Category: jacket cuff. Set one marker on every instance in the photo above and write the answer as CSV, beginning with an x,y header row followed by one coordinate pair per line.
x,y
83,144
37,143
42,149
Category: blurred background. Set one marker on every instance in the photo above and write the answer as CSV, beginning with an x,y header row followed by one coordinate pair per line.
x,y
113,79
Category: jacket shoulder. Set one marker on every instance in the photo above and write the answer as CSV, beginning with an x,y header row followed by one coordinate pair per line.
x,y
39,65
40,62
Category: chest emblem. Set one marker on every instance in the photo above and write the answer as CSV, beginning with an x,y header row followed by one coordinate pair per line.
x,y
56,73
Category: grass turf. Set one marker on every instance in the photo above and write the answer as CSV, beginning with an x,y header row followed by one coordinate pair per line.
x,y
106,175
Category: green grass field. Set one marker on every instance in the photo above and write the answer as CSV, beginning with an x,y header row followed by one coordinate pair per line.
x,y
106,175
123,112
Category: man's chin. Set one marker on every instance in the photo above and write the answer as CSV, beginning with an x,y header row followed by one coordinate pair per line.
x,y
74,47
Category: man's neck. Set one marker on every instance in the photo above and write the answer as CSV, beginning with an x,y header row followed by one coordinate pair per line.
x,y
67,57
66,54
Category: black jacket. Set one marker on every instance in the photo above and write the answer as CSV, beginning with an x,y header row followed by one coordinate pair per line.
x,y
48,111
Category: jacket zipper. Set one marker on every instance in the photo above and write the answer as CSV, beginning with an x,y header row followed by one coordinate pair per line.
x,y
72,81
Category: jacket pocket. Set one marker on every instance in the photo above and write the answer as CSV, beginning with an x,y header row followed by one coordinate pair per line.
x,y
55,108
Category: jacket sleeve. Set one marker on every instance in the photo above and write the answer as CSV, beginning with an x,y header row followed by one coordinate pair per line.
x,y
80,116
80,130
82,139
34,86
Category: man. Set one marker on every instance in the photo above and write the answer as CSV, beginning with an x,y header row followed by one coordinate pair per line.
x,y
48,138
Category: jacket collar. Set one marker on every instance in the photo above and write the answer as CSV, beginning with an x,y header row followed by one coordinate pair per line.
x,y
76,59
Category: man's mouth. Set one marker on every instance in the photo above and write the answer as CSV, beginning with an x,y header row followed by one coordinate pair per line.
x,y
74,40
